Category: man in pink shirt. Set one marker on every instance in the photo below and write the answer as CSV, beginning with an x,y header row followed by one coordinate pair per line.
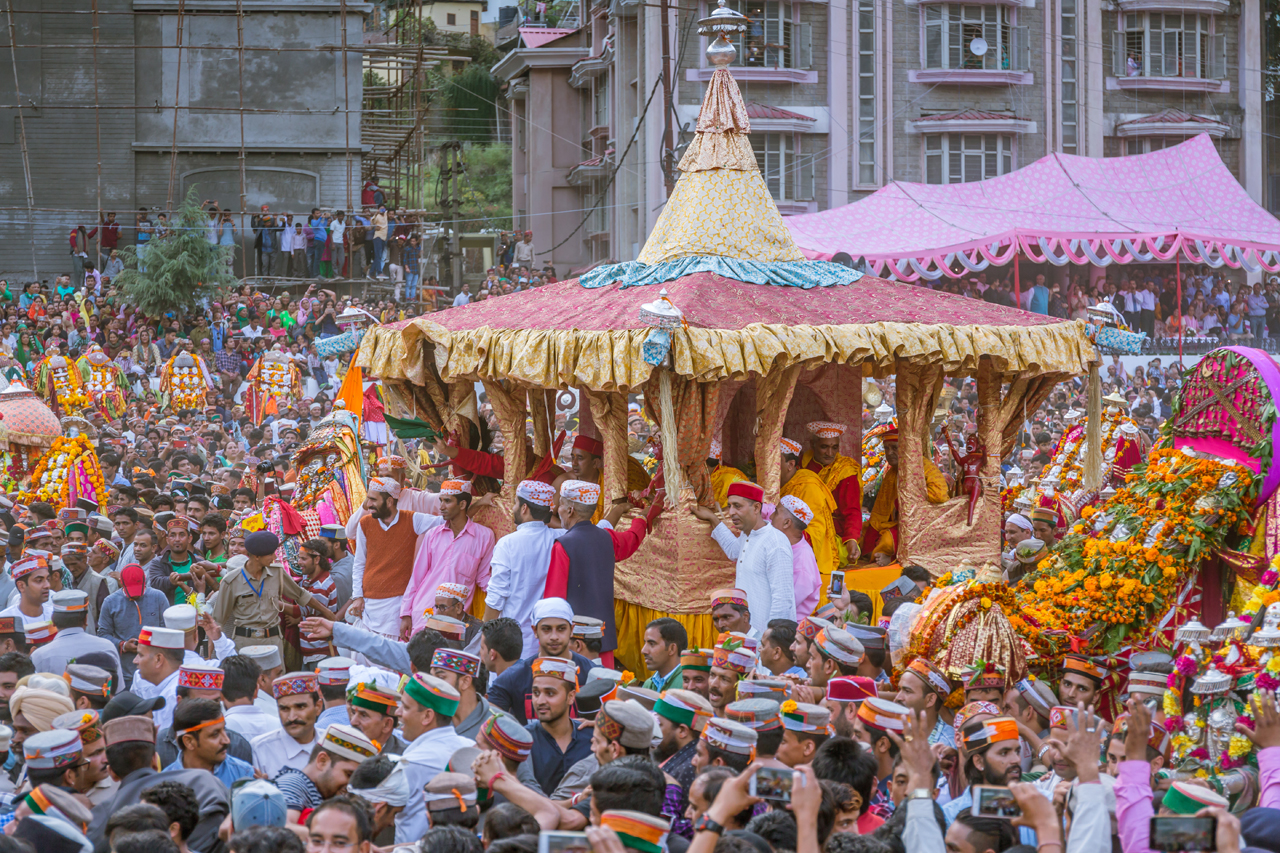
x,y
792,517
456,552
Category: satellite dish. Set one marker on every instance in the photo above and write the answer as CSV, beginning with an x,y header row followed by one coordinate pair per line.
x,y
979,46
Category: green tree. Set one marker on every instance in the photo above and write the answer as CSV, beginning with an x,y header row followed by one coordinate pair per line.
x,y
485,186
174,272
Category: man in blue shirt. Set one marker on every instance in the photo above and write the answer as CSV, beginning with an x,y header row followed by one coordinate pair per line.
x,y
202,735
664,639
1039,296
558,742
512,691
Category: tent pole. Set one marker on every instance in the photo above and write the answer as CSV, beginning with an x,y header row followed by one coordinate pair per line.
x,y
1179,274
1017,280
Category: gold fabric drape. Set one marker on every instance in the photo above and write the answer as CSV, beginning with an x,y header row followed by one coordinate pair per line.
x,y
508,402
773,395
696,406
610,360
542,411
1024,395
609,411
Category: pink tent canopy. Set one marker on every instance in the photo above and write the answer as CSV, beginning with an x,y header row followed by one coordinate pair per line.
x,y
1061,209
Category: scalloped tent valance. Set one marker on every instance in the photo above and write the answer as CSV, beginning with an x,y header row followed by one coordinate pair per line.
x,y
1060,209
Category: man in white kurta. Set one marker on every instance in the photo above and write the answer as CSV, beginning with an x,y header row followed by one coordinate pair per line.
x,y
298,694
427,706
762,552
518,567
381,573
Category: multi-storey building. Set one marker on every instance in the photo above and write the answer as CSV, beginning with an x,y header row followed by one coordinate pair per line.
x,y
848,95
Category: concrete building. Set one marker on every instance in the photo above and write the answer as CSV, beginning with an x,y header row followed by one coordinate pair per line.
x,y
287,102
845,96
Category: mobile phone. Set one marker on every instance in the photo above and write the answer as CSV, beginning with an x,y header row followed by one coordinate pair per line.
x,y
994,801
837,583
563,842
771,783
1176,834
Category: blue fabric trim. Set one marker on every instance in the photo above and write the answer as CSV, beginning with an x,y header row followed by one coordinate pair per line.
x,y
802,274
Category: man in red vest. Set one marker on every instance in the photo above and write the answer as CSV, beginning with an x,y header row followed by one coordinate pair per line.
x,y
386,542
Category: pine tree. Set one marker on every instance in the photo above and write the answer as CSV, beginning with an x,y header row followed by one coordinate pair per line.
x,y
174,272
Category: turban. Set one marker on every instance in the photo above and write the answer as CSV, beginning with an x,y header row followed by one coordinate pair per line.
x,y
386,485
39,706
393,790
1020,521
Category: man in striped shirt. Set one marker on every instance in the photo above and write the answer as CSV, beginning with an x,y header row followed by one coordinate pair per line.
x,y
313,562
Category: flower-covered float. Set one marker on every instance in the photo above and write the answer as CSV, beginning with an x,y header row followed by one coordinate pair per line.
x,y
104,380
274,378
69,470
28,429
185,378
59,382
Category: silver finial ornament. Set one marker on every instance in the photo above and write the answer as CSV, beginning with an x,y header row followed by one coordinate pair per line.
x,y
720,24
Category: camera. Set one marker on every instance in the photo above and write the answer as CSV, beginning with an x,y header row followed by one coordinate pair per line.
x,y
994,801
771,783
1177,834
837,583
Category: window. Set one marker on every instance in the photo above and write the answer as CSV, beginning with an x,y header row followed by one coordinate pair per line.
x,y
767,43
1168,44
1147,144
866,93
1070,126
786,167
955,158
600,102
950,32
475,22
451,19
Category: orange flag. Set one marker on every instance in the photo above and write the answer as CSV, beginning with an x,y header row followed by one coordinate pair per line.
x,y
352,390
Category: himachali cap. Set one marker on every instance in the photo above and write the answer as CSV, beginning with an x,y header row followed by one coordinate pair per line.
x,y
508,737
646,697
9,625
106,548
638,830
580,491
599,673
1045,514
536,492
1030,550
266,657
70,601
1039,695
798,508
50,801
852,688
181,617
871,637
456,591
684,708
826,429
593,695
430,692
130,729
975,709
764,687
626,722
26,566
200,676
333,531
587,444
810,626
559,668
840,645
982,734
696,659
295,684
102,524
179,522
74,548
790,448
883,715
803,717
982,675
454,487
72,514
746,489
39,633
86,723
451,628
56,749
1147,683
736,659
763,715
463,663
587,627
728,596
1185,798
334,671
1158,737
348,742
730,736
1082,665
384,485
450,791
88,679
162,638
933,677
367,695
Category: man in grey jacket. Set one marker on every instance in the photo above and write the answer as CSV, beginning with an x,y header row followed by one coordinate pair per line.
x,y
126,610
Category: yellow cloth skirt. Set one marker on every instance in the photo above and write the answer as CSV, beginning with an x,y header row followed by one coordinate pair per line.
x,y
871,581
